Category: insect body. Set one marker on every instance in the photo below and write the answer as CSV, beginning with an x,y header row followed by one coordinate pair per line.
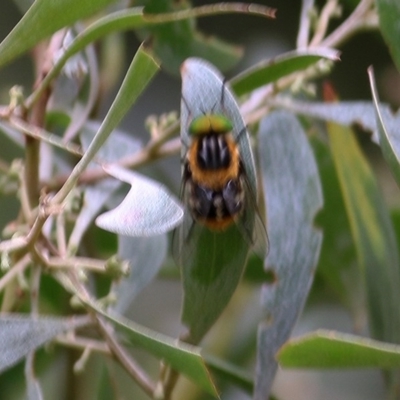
x,y
212,173
215,188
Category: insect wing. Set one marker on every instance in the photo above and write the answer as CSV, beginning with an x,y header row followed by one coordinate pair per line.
x,y
184,236
250,222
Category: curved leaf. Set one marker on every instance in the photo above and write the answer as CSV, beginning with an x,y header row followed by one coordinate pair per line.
x,y
181,356
330,349
36,25
147,210
213,271
271,70
293,197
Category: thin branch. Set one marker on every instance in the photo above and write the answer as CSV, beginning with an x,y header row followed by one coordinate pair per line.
x,y
91,264
118,351
139,159
361,18
330,10
18,268
80,343
305,24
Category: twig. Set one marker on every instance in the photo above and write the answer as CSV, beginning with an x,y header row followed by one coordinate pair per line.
x,y
18,268
305,23
361,18
117,350
330,9
80,343
76,263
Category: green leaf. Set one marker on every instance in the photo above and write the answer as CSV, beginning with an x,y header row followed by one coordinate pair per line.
x,y
181,356
293,197
148,209
20,334
230,372
133,18
372,233
338,262
216,260
174,44
42,19
142,69
389,17
330,349
271,70
177,40
388,125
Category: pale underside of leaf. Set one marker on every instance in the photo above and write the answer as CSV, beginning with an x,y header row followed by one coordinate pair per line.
x,y
293,197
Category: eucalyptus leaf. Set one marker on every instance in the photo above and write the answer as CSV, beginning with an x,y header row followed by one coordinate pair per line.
x,y
293,197
216,260
134,18
372,232
330,349
338,261
182,357
147,210
231,373
145,256
20,334
141,70
389,16
271,70
36,25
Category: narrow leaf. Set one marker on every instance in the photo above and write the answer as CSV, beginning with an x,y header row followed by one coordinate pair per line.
x,y
142,69
372,232
182,357
293,197
338,262
230,373
330,349
271,70
37,24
